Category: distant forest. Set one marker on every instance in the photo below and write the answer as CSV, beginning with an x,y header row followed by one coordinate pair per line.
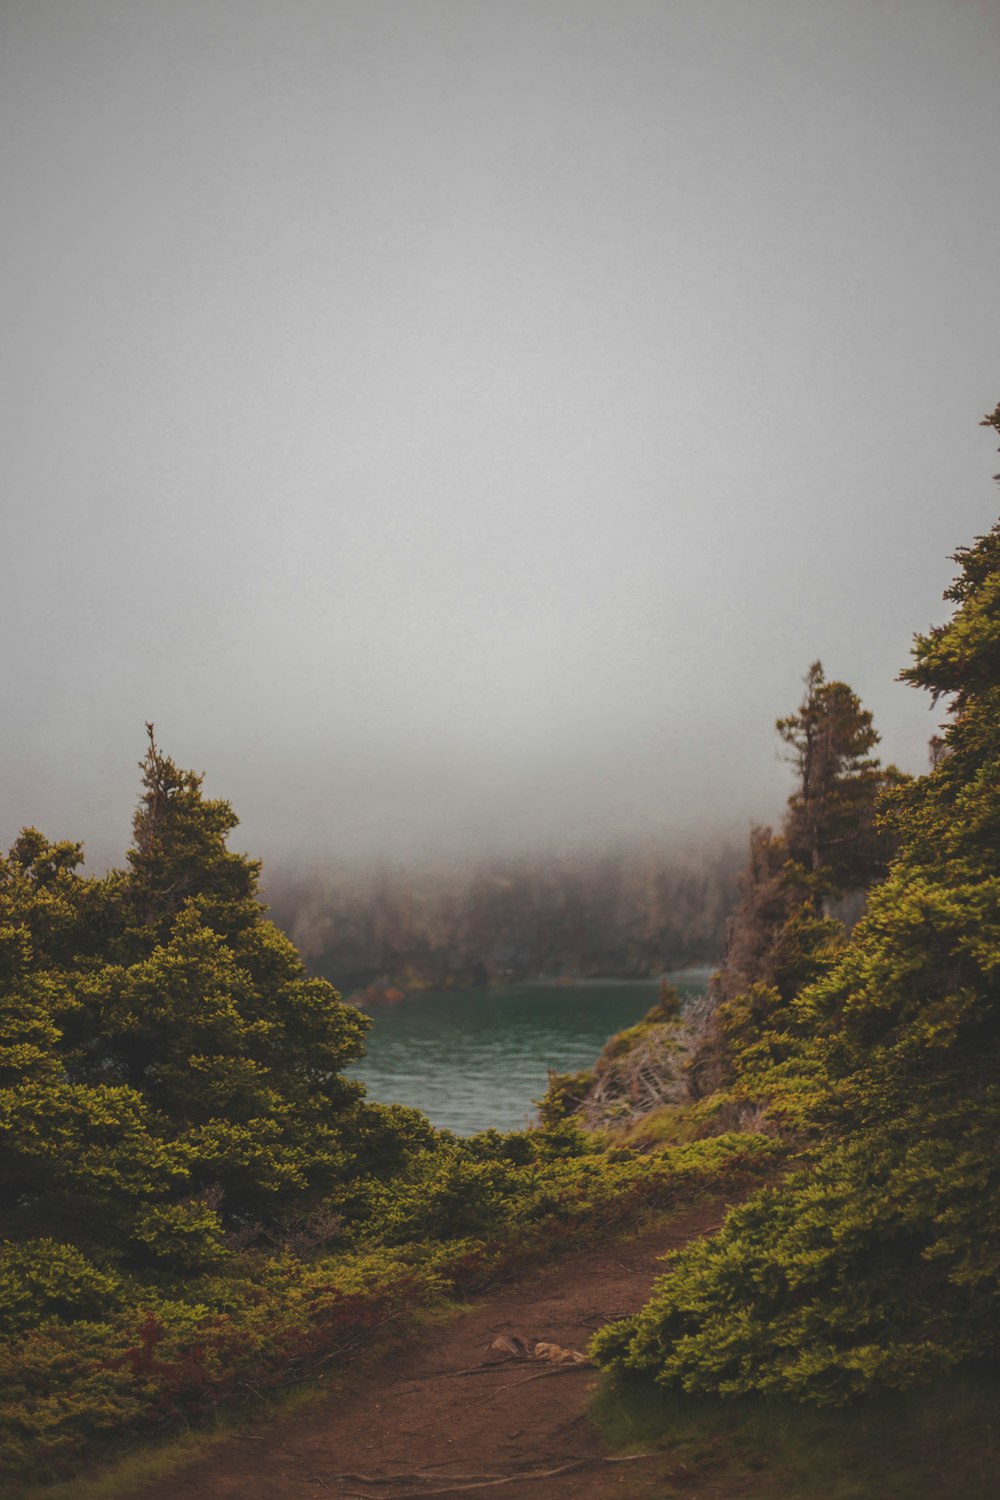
x,y
625,914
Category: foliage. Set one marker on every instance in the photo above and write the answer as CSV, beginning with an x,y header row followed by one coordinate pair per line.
x,y
830,829
881,1267
173,1349
785,933
800,889
195,1199
168,1070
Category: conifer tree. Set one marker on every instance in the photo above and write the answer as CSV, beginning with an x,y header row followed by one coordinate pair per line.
x,y
830,826
881,1265
179,852
167,1065
786,930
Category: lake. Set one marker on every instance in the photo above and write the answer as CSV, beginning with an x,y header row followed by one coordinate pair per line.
x,y
472,1059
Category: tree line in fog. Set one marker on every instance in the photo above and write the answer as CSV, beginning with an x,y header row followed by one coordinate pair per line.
x,y
625,914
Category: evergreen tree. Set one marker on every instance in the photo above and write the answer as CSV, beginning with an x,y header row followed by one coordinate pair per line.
x,y
786,931
830,826
880,1266
167,1065
179,854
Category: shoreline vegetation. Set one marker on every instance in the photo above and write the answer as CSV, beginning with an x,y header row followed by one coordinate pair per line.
x,y
380,993
197,1204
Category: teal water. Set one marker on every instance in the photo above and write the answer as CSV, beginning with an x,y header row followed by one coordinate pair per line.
x,y
472,1059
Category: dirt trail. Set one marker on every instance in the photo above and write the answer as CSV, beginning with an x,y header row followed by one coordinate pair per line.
x,y
412,1426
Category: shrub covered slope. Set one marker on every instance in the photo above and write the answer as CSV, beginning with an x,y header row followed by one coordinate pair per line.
x,y
194,1200
880,1266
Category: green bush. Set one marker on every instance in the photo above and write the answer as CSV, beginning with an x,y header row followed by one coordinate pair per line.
x,y
41,1280
175,1346
880,1268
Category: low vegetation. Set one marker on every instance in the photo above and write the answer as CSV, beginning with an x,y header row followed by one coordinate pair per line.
x,y
197,1203
877,1267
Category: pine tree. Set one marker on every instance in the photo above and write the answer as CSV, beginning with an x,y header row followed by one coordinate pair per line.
x,y
830,826
167,1065
786,930
881,1265
179,852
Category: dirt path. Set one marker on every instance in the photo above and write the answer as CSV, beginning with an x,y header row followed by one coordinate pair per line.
x,y
412,1426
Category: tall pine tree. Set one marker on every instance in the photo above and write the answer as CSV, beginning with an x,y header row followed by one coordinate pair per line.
x,y
880,1266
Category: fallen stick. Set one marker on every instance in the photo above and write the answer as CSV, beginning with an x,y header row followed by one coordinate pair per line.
x,y
542,1375
416,1478
485,1484
496,1364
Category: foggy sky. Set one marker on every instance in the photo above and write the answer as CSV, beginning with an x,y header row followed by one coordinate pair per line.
x,y
461,422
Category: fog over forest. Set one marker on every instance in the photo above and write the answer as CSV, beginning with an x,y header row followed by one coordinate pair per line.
x,y
629,913
459,424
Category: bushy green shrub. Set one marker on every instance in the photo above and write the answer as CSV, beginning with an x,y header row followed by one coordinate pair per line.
x,y
41,1280
171,1347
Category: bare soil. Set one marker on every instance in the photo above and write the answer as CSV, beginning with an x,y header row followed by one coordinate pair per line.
x,y
451,1415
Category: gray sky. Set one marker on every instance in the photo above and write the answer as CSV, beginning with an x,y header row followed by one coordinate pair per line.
x,y
464,420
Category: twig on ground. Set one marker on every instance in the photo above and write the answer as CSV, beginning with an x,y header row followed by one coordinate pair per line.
x,y
496,1364
542,1375
492,1483
419,1477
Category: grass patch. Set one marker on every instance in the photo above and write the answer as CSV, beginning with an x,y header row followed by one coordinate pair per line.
x,y
668,1125
160,1456
940,1441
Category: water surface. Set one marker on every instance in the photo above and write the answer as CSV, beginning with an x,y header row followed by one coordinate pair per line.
x,y
471,1059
